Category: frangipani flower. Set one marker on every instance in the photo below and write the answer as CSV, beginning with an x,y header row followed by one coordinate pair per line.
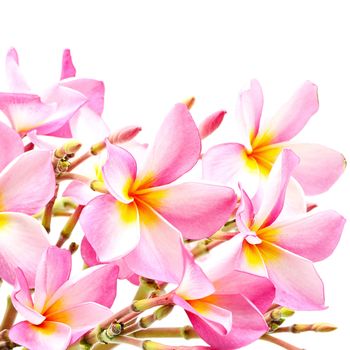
x,y
225,306
140,218
61,309
71,108
283,249
254,159
27,183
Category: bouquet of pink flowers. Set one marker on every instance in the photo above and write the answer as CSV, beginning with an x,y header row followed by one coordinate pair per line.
x,y
234,250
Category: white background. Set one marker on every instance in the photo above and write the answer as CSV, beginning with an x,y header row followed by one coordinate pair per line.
x,y
152,54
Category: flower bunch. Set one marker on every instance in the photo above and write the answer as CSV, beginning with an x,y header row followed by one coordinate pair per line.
x,y
233,249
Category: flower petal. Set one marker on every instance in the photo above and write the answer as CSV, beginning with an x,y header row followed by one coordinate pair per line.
x,y
250,108
15,78
81,317
175,151
298,286
194,283
197,210
22,300
313,236
259,290
68,70
159,252
229,164
31,170
248,324
24,111
22,242
111,227
80,193
67,102
48,277
217,319
93,90
222,162
58,335
119,172
292,117
319,168
88,127
275,189
11,145
96,284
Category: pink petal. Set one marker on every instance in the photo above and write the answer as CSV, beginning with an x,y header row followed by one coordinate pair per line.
x,y
196,209
81,317
22,242
119,172
24,111
88,254
159,252
48,277
194,283
248,324
175,151
34,337
259,290
218,320
45,142
245,213
111,227
275,189
250,108
211,123
80,193
96,284
88,127
68,69
93,90
313,236
31,170
229,164
294,202
22,300
90,258
298,286
293,116
316,173
11,145
66,101
15,78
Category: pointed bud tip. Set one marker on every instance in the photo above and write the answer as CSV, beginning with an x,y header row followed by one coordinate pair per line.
x,y
189,102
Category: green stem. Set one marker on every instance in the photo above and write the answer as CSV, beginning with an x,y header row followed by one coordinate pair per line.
x,y
145,304
186,332
146,287
69,226
46,220
279,342
9,316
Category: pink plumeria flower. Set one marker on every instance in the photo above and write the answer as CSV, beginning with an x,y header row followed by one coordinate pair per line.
x,y
27,183
71,108
62,309
225,306
141,218
283,249
254,158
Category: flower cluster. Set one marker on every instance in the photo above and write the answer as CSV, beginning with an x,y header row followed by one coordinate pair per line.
x,y
234,249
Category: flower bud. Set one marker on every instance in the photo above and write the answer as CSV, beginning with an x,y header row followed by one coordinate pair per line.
x,y
124,135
